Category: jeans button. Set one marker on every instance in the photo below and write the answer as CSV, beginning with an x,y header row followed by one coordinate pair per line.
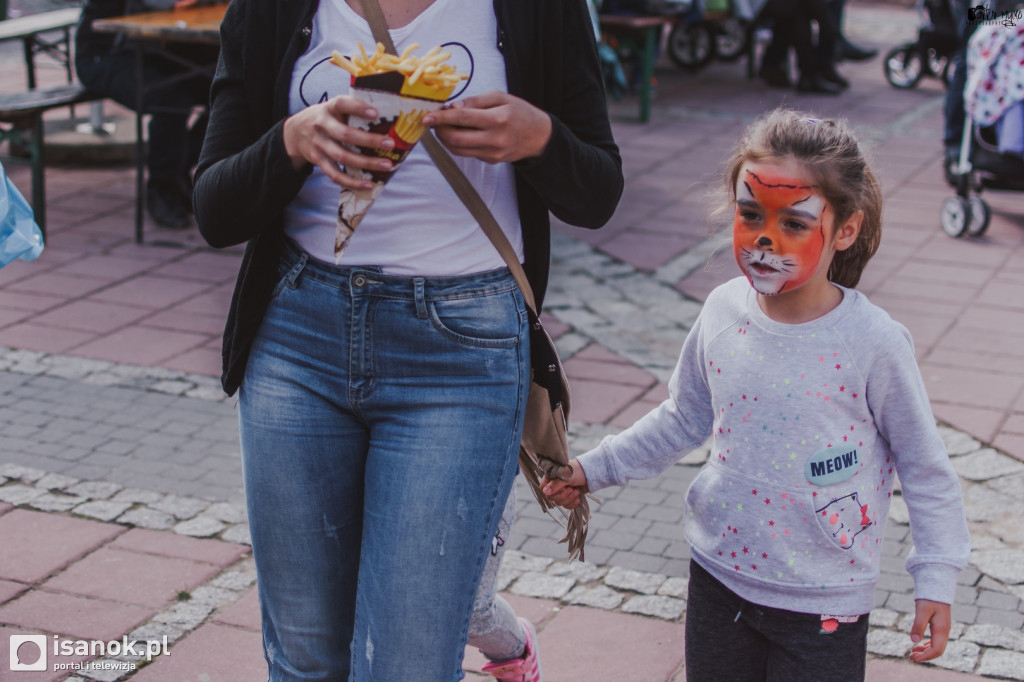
x,y
359,280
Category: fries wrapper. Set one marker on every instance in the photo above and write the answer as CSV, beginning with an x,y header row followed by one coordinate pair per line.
x,y
401,108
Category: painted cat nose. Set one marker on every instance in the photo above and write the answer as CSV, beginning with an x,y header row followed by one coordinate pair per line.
x,y
764,241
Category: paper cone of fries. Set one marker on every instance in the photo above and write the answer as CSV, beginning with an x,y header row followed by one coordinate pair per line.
x,y
403,89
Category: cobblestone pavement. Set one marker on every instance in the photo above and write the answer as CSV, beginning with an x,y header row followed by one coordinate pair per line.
x,y
156,449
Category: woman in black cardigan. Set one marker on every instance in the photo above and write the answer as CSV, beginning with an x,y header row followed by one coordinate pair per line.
x,y
381,397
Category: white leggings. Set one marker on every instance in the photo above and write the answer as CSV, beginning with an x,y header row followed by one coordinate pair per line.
x,y
495,629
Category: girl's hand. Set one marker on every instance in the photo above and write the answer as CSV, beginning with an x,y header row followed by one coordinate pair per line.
x,y
936,617
317,133
569,493
495,127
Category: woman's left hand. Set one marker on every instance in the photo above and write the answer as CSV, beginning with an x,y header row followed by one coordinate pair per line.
x,y
495,127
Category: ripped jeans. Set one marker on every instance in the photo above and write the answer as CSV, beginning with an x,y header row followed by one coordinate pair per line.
x,y
380,420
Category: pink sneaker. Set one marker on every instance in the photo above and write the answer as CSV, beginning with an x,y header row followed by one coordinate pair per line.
x,y
525,669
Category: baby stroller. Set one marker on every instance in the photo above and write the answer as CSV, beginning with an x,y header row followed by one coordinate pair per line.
x,y
992,151
907,64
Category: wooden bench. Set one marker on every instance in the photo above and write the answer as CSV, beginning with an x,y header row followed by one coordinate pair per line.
x,y
641,34
21,124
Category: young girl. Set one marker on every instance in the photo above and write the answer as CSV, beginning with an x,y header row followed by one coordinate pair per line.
x,y
814,402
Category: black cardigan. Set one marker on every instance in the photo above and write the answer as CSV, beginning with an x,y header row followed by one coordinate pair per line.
x,y
245,178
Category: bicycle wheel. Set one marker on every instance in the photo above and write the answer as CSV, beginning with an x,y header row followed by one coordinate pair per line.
x,y
731,39
903,67
691,46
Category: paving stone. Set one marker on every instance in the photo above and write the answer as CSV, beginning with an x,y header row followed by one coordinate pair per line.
x,y
994,635
1011,619
143,579
542,585
882,617
156,632
675,587
180,507
147,518
96,490
244,612
235,580
636,581
215,597
666,608
36,544
600,597
957,442
525,563
50,502
898,512
137,496
1009,485
226,512
986,464
238,534
960,655
74,616
19,494
214,652
164,543
184,616
580,571
888,643
200,527
102,509
56,482
22,473
1007,665
1002,564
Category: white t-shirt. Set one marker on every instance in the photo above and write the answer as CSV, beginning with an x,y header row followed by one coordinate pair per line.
x,y
417,226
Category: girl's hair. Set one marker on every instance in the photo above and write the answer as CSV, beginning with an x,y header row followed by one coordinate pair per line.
x,y
830,153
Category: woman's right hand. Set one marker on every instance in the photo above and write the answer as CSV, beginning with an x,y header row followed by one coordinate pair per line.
x,y
569,493
318,135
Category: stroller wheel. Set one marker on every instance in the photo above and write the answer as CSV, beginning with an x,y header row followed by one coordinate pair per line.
x,y
904,66
980,216
691,46
956,216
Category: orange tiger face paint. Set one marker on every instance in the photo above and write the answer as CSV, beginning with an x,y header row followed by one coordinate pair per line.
x,y
781,227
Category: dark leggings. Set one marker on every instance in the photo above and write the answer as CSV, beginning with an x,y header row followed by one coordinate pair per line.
x,y
729,639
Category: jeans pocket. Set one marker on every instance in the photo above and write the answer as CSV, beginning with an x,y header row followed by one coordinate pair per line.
x,y
288,275
490,321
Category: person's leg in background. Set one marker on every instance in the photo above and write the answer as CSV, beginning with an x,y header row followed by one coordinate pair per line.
x,y
845,50
508,642
168,200
791,25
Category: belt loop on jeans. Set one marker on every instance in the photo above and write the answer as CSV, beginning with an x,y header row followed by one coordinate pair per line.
x,y
293,274
420,296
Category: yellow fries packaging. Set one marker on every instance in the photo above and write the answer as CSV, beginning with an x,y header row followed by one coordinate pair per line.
x,y
403,89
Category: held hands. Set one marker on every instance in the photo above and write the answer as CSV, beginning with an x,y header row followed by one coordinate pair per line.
x,y
936,617
495,127
317,135
569,493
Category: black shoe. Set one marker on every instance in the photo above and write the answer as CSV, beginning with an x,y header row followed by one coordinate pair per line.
x,y
845,50
775,77
163,202
817,85
833,76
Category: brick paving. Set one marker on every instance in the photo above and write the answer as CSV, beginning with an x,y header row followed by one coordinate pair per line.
x,y
120,489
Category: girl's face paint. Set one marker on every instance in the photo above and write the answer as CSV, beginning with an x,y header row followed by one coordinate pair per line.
x,y
781,228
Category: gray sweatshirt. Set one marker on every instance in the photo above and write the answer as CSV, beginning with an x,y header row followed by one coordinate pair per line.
x,y
811,424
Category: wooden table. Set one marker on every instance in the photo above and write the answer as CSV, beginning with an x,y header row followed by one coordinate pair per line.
x,y
151,33
642,34
30,30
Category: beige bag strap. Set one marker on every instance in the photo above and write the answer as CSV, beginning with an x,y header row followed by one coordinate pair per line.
x,y
453,174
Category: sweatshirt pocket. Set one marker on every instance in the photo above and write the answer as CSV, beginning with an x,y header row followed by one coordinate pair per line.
x,y
771,532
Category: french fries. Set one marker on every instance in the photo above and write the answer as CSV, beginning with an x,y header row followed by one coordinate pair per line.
x,y
428,70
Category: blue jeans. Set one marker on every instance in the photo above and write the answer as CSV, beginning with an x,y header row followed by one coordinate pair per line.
x,y
380,424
